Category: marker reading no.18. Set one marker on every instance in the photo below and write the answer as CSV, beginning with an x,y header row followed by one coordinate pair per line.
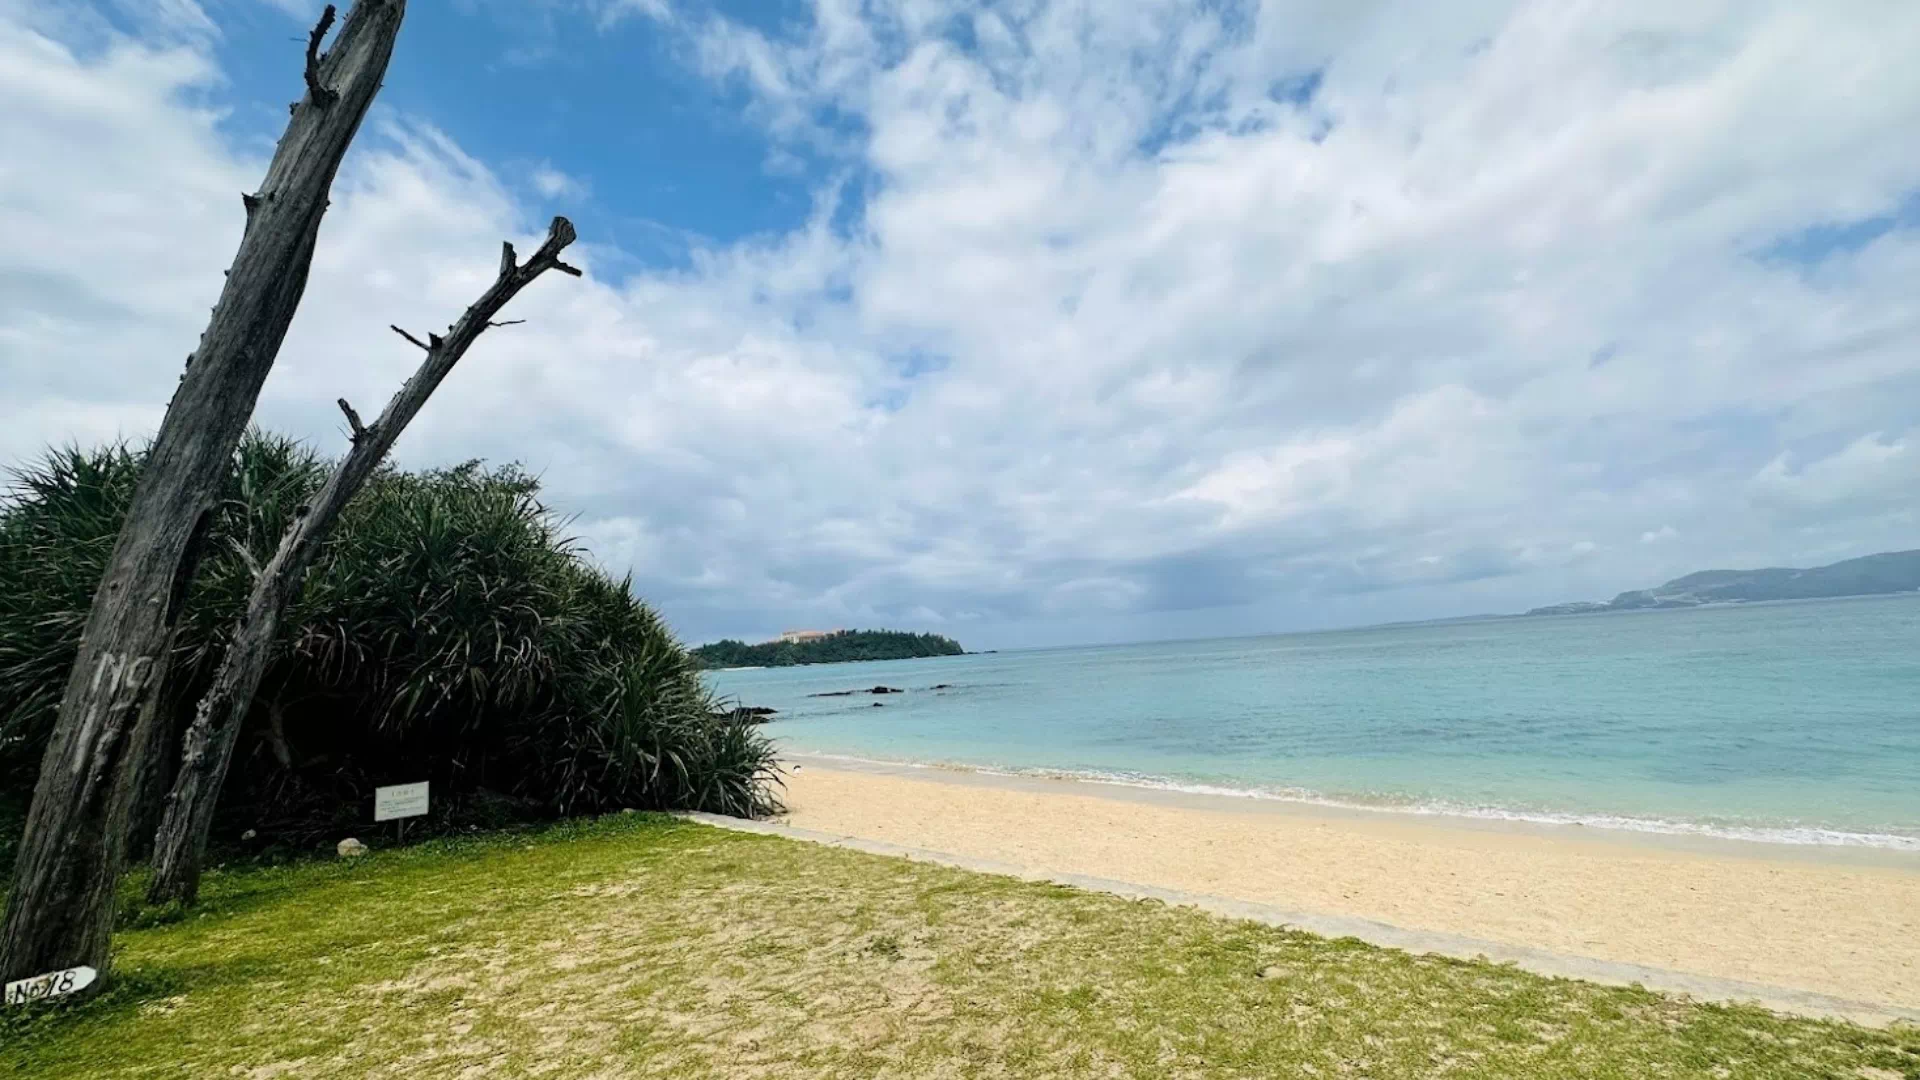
x,y
51,985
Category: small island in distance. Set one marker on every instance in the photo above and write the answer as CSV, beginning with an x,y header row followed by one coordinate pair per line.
x,y
1869,575
825,647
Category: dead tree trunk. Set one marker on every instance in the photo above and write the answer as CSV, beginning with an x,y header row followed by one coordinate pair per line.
x,y
181,842
60,909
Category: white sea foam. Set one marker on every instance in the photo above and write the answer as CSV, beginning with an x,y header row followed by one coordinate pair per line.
x,y
1767,834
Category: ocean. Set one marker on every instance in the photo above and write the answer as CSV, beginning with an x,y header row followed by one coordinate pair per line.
x,y
1789,722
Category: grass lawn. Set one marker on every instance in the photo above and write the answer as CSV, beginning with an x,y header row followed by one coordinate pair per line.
x,y
643,946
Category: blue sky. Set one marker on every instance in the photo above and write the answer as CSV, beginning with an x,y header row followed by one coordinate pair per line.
x,y
1046,321
520,85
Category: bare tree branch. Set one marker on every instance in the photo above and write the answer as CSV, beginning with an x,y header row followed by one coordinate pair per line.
x,y
423,345
353,421
180,845
318,92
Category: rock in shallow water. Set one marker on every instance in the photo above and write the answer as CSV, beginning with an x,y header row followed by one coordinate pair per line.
x,y
850,693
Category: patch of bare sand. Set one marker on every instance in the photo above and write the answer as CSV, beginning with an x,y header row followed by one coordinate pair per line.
x,y
1769,914
596,985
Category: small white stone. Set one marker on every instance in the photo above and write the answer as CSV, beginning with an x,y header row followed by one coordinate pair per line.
x,y
351,848
248,835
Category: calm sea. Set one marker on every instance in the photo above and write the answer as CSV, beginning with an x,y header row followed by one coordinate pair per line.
x,y
1796,722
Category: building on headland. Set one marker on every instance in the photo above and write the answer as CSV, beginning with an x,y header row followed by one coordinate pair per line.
x,y
795,637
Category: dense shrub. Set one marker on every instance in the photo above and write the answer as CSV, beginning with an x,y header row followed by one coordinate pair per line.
x,y
450,632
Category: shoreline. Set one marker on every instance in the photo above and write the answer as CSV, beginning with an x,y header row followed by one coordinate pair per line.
x,y
1840,921
1906,849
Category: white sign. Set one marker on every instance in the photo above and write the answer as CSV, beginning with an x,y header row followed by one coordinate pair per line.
x,y
400,800
53,985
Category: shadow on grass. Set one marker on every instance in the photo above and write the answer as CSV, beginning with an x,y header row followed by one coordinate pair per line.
x,y
240,888
124,999
121,996
232,892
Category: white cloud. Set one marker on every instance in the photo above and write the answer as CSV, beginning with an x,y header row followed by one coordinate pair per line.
x,y
1447,337
612,11
1873,475
176,16
551,183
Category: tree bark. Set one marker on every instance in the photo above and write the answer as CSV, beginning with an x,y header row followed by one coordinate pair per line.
x,y
181,842
153,770
60,907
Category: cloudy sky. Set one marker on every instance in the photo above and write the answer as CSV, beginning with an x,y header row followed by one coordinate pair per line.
x,y
1045,321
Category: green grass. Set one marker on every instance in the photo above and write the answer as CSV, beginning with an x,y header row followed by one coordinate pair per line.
x,y
643,946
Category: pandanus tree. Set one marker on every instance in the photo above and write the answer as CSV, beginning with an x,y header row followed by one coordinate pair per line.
x,y
449,629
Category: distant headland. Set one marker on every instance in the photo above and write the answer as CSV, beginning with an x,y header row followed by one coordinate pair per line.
x,y
1869,575
825,647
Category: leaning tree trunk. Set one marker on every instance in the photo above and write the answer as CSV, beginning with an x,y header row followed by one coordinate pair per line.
x,y
60,908
181,842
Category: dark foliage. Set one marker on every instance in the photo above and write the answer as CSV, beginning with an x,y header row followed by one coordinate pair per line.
x,y
449,633
834,648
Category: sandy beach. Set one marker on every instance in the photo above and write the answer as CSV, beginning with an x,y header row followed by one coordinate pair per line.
x,y
1836,921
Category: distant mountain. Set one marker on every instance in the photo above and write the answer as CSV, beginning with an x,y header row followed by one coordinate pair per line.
x,y
1869,575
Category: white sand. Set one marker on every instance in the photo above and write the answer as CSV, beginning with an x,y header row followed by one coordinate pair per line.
x,y
1844,922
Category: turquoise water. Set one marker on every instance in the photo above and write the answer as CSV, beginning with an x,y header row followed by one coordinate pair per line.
x,y
1795,722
